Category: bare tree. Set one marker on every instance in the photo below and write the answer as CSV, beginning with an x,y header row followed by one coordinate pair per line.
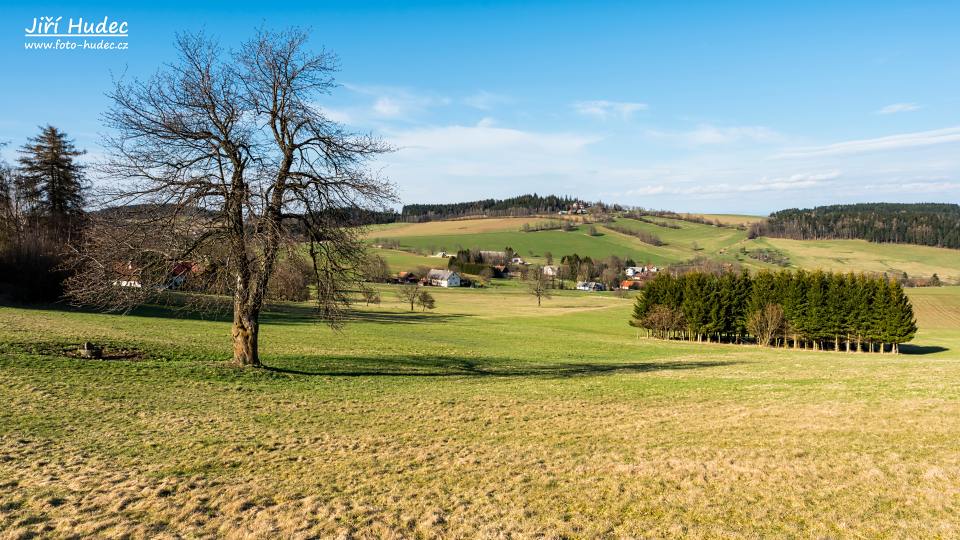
x,y
766,323
409,293
228,158
371,296
538,285
425,300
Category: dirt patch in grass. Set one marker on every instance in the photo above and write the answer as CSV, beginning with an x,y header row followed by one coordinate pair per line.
x,y
59,349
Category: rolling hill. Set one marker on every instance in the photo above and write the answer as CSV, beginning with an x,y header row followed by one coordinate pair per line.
x,y
682,241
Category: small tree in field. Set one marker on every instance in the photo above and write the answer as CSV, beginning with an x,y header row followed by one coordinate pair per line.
x,y
426,301
766,323
537,284
225,157
371,296
409,293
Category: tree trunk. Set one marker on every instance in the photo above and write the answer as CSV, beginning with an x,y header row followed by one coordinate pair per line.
x,y
246,329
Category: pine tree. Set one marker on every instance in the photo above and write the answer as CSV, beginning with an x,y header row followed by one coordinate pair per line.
x,y
50,183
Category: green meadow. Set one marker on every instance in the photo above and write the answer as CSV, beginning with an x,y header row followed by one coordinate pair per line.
x,y
485,417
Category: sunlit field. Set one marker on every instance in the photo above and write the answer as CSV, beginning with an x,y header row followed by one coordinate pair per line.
x,y
487,417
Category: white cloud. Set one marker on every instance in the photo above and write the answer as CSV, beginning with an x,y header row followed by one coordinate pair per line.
x,y
898,108
485,101
394,103
892,142
707,134
797,181
474,142
603,109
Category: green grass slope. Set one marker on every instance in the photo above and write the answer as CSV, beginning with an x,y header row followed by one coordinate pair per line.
x,y
489,417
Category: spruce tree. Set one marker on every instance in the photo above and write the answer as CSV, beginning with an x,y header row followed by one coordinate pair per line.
x,y
902,325
51,181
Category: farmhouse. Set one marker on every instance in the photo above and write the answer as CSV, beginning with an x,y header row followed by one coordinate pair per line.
x,y
632,271
443,278
551,270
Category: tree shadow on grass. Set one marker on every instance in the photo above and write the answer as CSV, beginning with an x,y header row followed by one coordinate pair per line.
x,y
906,348
445,366
272,314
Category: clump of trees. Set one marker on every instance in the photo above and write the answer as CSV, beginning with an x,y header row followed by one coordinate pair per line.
x,y
644,236
42,202
804,310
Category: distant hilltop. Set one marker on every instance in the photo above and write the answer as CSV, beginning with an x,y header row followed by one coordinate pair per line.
x,y
523,205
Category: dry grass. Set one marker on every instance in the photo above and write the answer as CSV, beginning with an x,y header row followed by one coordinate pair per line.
x,y
461,226
469,423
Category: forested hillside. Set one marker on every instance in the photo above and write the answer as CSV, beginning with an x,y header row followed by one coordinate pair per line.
x,y
928,224
522,205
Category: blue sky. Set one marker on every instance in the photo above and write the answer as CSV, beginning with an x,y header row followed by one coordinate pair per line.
x,y
692,106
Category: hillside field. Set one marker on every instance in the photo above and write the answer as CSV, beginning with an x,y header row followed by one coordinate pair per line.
x,y
489,417
690,240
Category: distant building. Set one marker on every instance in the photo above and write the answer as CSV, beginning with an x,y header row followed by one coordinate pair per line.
x,y
517,260
590,286
633,271
551,271
443,278
406,277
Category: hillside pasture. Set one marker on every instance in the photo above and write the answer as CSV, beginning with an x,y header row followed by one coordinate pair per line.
x,y
860,255
467,422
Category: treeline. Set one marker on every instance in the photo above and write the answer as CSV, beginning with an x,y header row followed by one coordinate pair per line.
x,y
523,205
643,236
804,310
928,224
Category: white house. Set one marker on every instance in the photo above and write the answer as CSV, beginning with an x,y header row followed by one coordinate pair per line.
x,y
443,278
550,270
632,271
517,260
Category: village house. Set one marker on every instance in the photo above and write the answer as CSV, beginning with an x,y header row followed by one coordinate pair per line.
x,y
443,278
551,270
632,271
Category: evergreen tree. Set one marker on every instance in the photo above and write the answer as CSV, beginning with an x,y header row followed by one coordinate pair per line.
x,y
901,323
50,181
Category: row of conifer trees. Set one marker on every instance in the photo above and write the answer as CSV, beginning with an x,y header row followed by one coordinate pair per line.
x,y
815,310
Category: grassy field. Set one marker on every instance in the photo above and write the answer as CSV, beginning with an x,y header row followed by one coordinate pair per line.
x,y
489,417
689,241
